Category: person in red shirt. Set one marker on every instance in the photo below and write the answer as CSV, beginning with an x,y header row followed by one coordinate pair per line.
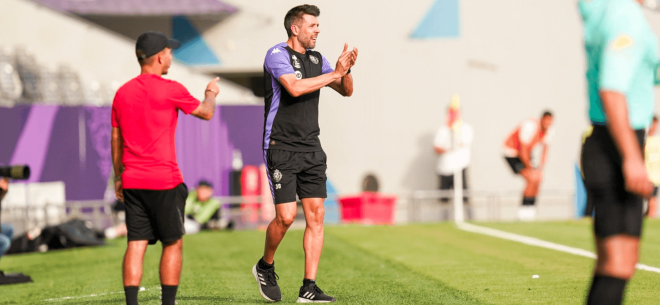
x,y
518,148
148,180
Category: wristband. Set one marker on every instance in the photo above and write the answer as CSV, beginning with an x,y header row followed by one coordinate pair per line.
x,y
117,178
216,94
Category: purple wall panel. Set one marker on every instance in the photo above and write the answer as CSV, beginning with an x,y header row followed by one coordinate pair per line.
x,y
204,149
83,180
12,121
246,132
32,146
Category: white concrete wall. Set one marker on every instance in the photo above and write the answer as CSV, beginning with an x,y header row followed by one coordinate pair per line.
x,y
95,53
513,59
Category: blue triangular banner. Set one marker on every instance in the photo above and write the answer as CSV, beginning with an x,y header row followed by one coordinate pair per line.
x,y
441,21
194,50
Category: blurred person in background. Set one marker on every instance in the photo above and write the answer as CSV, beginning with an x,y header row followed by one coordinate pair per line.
x,y
453,145
201,207
652,157
6,230
622,58
147,176
519,146
294,158
6,236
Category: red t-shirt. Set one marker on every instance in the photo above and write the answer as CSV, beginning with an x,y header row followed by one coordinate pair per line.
x,y
145,109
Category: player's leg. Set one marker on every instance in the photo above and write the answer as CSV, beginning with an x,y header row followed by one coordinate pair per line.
x,y
617,220
285,214
532,178
133,260
282,170
140,233
653,204
446,184
617,227
313,238
312,191
167,209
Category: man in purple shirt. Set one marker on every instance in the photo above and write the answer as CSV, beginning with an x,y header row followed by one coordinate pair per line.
x,y
296,163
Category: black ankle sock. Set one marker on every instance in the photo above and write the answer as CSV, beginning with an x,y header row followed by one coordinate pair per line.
x,y
131,294
529,201
264,265
306,282
606,290
169,294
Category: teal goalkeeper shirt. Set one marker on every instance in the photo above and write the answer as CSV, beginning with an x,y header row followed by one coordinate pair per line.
x,y
622,56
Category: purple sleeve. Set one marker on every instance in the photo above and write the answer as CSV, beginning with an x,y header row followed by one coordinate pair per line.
x,y
327,68
277,63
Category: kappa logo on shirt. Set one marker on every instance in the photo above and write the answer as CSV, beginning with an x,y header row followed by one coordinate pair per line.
x,y
275,51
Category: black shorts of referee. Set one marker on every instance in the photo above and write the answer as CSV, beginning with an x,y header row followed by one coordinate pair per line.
x,y
616,210
155,215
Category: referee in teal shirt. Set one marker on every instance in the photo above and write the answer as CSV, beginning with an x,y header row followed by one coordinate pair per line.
x,y
622,57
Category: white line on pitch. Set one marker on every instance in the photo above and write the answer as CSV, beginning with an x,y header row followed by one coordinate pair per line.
x,y
538,243
93,295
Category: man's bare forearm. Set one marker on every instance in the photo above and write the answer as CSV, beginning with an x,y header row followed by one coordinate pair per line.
x,y
525,157
347,85
544,157
298,87
616,109
116,144
208,105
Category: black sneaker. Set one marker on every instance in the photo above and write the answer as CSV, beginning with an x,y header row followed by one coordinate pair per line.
x,y
267,280
313,294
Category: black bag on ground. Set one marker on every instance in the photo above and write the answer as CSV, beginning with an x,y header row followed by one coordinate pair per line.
x,y
70,234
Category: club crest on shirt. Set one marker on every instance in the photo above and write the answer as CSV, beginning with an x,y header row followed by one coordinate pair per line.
x,y
622,42
298,75
296,62
314,59
277,176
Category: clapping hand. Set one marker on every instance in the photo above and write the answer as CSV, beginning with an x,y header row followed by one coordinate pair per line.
x,y
346,60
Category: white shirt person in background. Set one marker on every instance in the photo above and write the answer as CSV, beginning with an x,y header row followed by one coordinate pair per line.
x,y
452,144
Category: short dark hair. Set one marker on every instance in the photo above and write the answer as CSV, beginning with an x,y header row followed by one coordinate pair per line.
x,y
546,113
296,14
204,183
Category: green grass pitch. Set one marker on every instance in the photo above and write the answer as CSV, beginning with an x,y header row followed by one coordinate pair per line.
x,y
412,264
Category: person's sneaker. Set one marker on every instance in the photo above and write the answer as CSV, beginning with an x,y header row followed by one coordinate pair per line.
x,y
313,294
267,280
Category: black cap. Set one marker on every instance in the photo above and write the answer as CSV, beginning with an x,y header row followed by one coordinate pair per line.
x,y
151,43
204,183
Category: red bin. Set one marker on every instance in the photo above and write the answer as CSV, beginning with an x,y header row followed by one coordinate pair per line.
x,y
368,208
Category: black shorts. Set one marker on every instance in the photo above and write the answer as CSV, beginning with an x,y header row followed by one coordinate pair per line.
x,y
155,214
516,164
616,210
291,173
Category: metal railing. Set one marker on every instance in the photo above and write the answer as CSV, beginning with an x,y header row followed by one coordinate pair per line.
x,y
486,205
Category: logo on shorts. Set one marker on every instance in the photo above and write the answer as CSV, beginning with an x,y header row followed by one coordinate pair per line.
x,y
314,59
296,62
298,75
278,186
277,176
